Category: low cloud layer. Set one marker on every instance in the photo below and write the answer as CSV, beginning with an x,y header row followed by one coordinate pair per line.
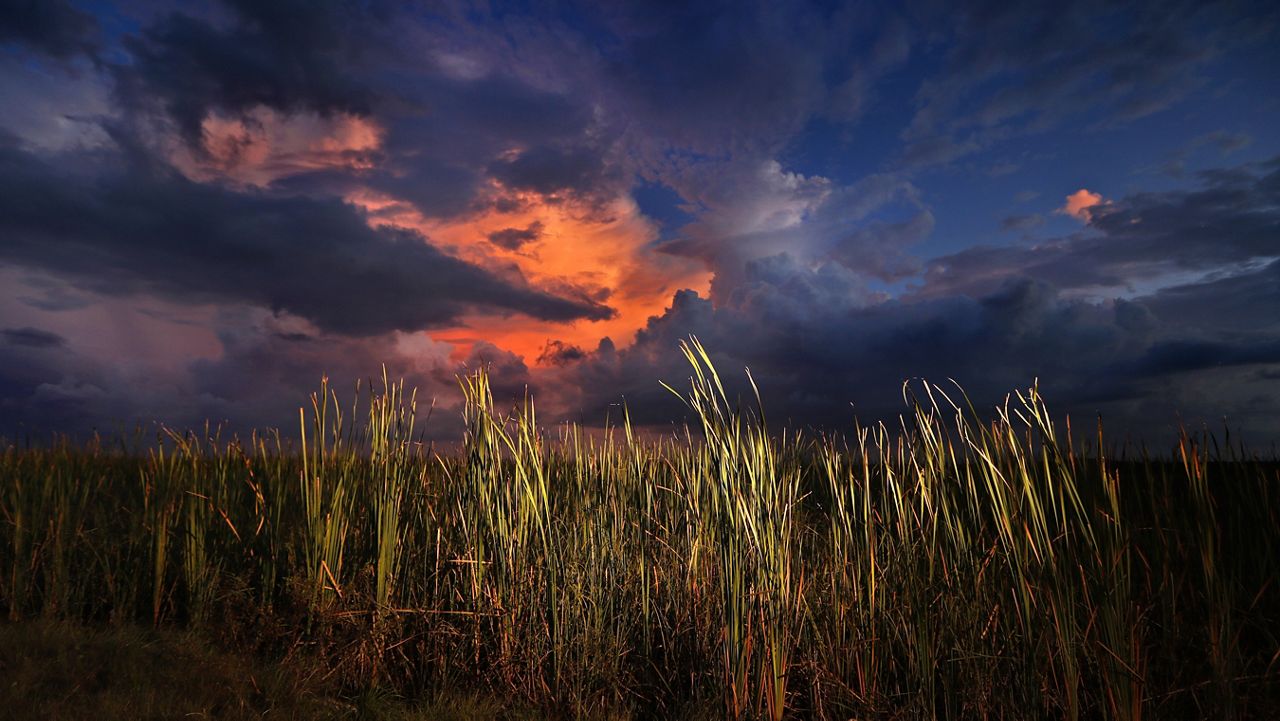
x,y
139,229
1142,365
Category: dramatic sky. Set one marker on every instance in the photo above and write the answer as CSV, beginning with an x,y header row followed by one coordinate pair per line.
x,y
206,206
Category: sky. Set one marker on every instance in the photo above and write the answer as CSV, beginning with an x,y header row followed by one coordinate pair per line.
x,y
206,207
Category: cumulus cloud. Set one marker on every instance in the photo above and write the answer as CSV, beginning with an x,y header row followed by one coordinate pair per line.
x,y
450,139
285,55
748,214
1080,204
508,373
1196,342
558,353
820,362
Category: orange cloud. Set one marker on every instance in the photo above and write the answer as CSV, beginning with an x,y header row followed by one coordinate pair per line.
x,y
1080,203
601,253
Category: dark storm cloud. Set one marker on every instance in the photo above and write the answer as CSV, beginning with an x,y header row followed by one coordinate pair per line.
x,y
996,319
55,27
483,115
878,249
681,81
45,388
1014,69
516,238
289,55
1238,303
446,139
820,362
448,136
264,373
1183,356
548,170
1233,217
637,88
146,229
32,337
435,186
443,133
559,353
693,79
508,375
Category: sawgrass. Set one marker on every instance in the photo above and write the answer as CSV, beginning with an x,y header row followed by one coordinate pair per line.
x,y
958,564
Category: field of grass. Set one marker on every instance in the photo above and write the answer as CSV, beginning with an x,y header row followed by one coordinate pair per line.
x,y
958,565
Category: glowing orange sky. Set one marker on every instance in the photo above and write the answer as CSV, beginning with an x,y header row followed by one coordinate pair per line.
x,y
602,251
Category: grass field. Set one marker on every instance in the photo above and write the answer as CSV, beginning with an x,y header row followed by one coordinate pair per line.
x,y
957,565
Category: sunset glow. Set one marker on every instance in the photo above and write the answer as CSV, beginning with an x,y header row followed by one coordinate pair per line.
x,y
602,251
760,360
605,254
838,197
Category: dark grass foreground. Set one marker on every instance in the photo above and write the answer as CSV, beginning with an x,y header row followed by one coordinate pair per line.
x,y
954,567
56,670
